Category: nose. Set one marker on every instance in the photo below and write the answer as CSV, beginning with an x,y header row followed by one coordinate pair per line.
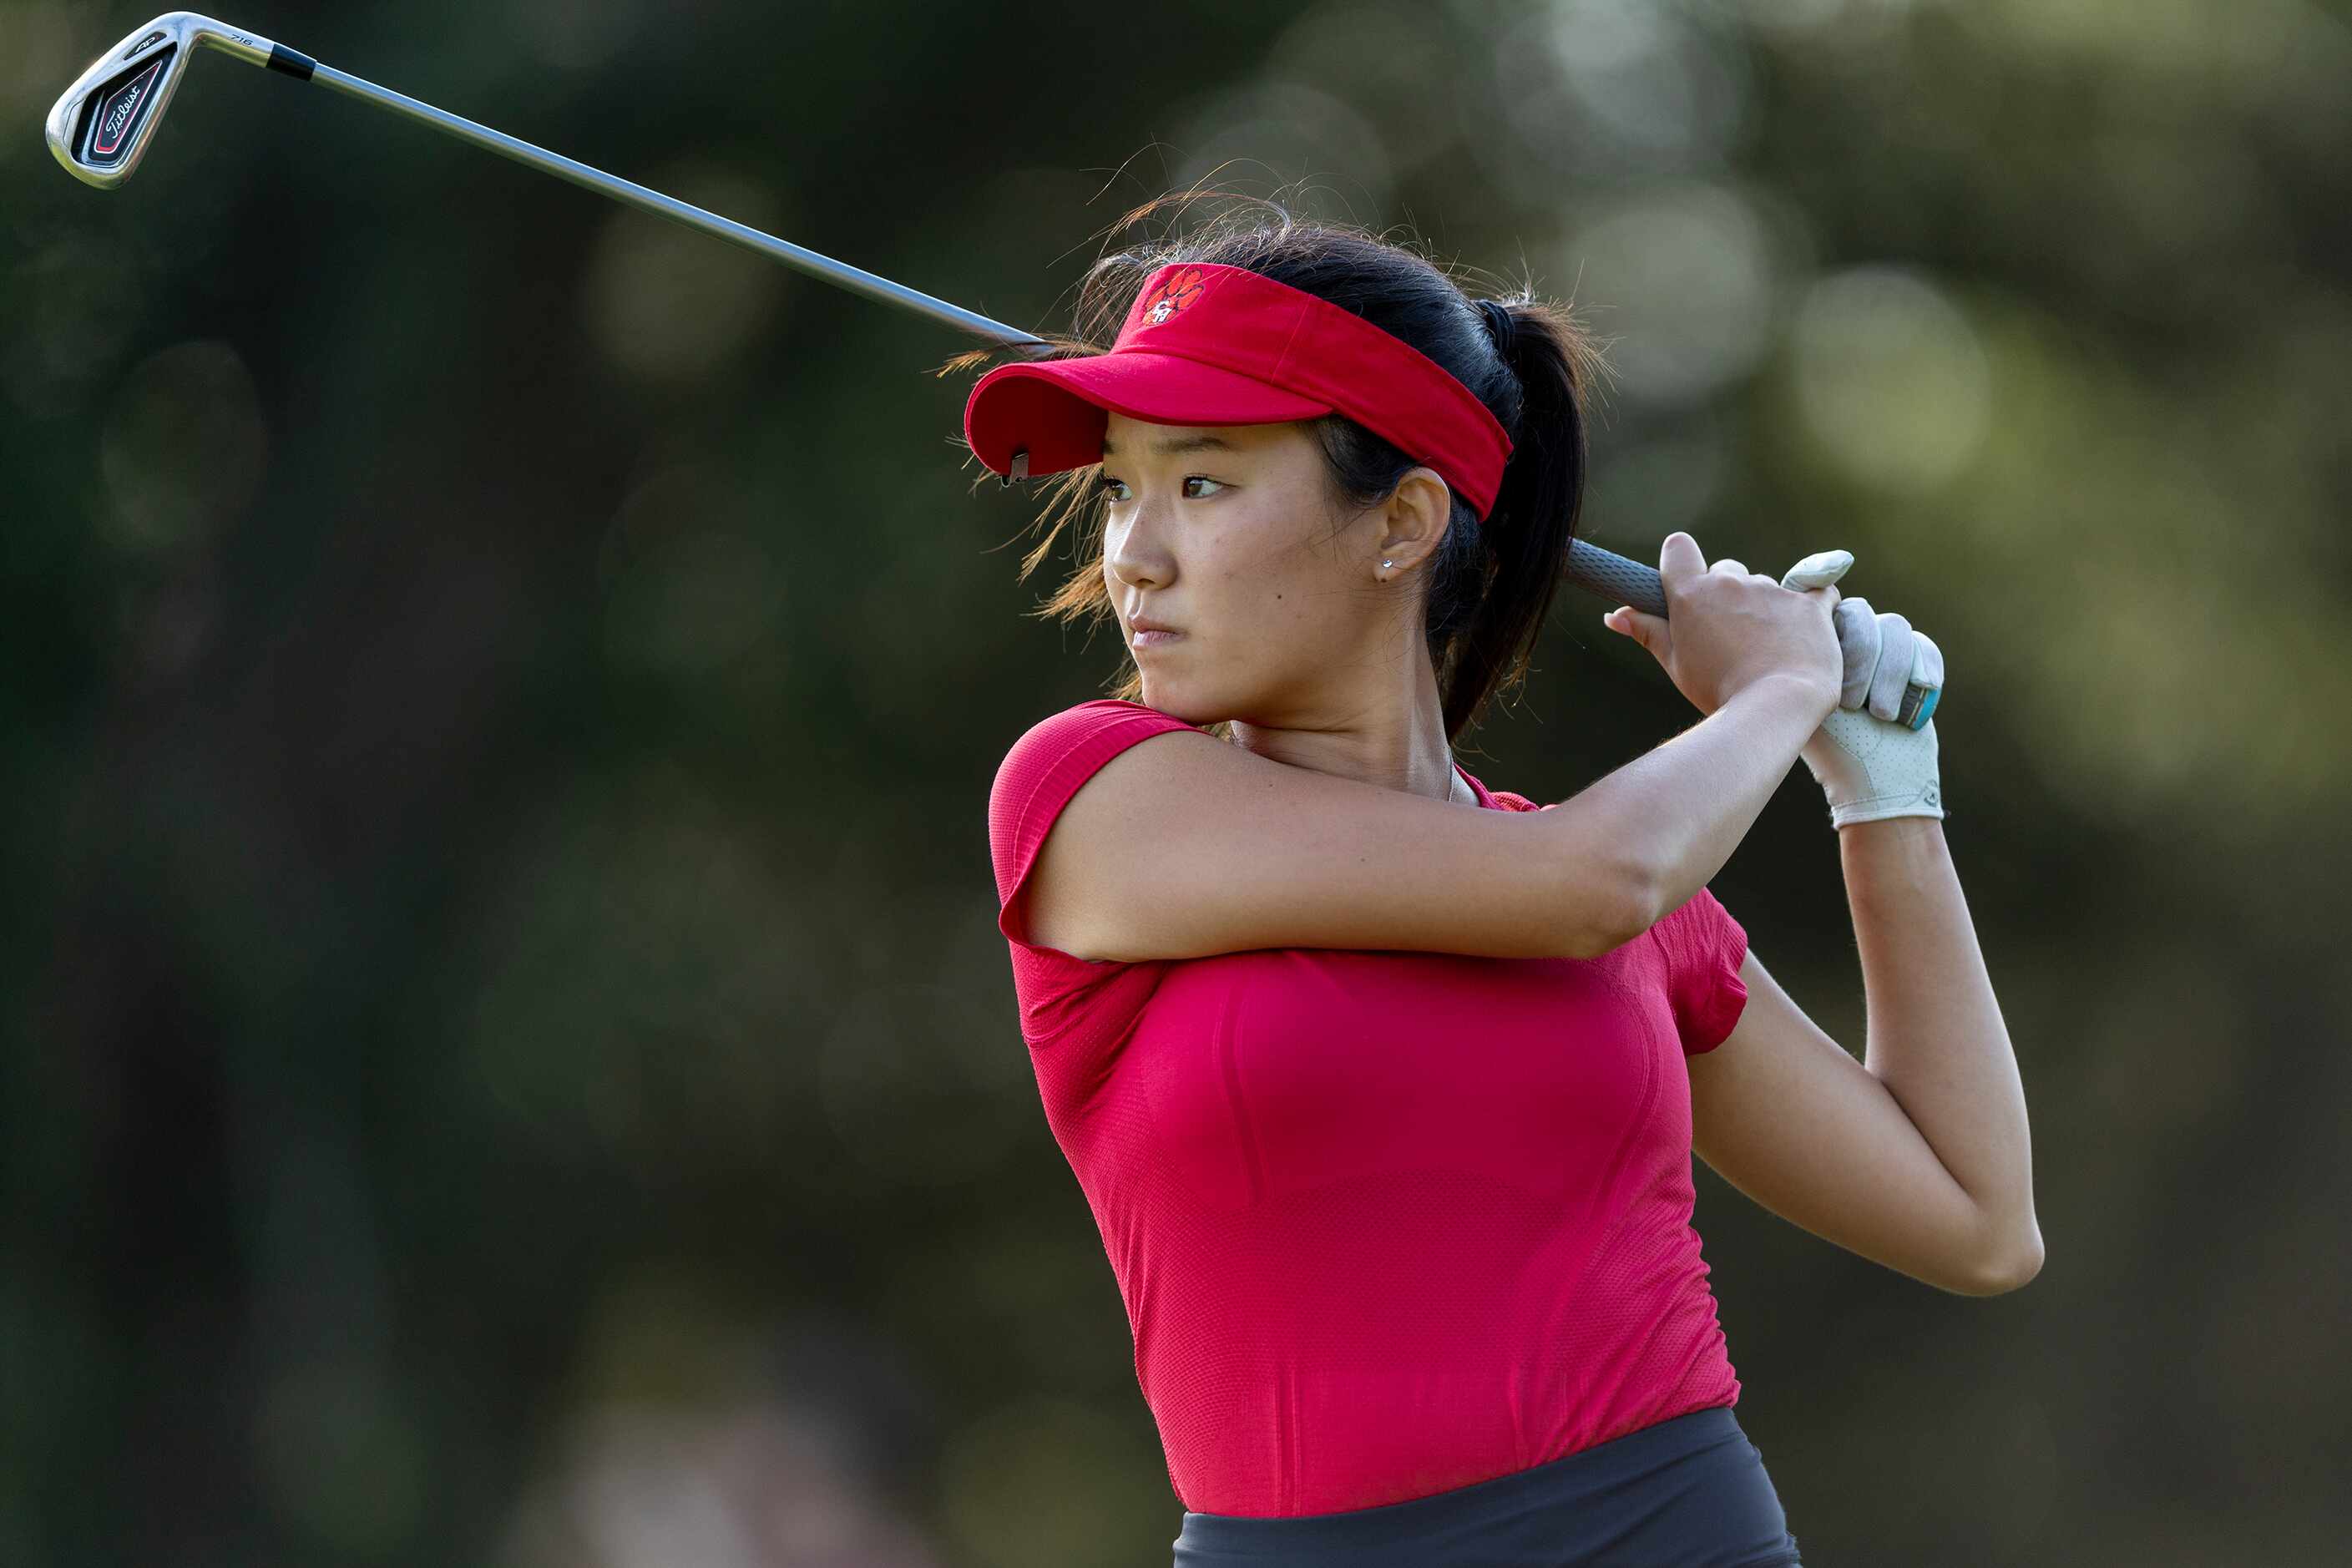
x,y
1135,549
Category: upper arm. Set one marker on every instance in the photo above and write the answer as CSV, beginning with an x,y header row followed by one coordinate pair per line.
x,y
1183,846
1785,1114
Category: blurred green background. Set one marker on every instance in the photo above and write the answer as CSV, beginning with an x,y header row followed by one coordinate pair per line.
x,y
508,1055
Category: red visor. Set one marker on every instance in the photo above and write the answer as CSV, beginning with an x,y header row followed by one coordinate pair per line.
x,y
1206,344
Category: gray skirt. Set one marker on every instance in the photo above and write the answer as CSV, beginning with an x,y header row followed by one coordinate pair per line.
x,y
1685,1493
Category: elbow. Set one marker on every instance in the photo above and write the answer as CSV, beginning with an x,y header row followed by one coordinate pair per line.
x,y
2008,1268
1630,910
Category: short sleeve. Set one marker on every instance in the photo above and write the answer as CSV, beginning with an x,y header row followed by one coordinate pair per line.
x,y
1041,773
1061,995
1704,947
1509,801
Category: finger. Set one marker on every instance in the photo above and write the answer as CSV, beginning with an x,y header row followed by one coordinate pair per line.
x,y
1894,671
1678,558
1818,570
1926,662
1927,682
1858,642
1736,568
1647,630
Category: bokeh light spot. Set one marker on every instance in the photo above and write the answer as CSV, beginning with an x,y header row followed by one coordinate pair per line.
x,y
1891,380
672,306
1685,275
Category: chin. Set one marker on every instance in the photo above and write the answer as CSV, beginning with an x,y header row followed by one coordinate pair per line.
x,y
1177,704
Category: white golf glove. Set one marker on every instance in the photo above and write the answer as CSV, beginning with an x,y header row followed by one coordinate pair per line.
x,y
1871,765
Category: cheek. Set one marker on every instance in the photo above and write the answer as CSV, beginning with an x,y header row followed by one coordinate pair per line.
x,y
1270,602
1252,584
1252,576
1296,591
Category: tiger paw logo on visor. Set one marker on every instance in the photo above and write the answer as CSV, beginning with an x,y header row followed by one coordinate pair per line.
x,y
1177,290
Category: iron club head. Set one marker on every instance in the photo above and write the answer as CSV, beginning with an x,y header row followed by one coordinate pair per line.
x,y
101,125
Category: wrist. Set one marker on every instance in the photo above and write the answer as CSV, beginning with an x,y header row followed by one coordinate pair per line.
x,y
1892,829
1804,703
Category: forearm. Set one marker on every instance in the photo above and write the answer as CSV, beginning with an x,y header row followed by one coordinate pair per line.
x,y
1674,816
1935,1036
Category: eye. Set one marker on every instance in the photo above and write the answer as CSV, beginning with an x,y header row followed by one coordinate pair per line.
x,y
1109,486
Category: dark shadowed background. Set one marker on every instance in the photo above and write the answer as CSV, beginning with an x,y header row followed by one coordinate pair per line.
x,y
508,1057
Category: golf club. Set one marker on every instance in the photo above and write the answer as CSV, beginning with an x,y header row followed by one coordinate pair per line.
x,y
102,127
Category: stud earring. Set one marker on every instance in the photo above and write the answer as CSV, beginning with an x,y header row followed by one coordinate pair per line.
x,y
1388,563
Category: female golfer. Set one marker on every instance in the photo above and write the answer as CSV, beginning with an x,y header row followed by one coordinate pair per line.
x,y
1382,1086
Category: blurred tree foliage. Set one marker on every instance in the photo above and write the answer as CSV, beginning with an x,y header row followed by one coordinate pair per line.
x,y
509,1054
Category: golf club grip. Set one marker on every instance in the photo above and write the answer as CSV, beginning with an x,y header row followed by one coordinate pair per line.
x,y
1616,578
1623,581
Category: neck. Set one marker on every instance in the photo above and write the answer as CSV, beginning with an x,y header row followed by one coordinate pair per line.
x,y
1395,739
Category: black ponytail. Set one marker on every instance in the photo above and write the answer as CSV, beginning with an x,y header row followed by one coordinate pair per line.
x,y
1536,512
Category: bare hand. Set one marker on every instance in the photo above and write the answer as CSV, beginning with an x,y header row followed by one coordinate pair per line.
x,y
1726,628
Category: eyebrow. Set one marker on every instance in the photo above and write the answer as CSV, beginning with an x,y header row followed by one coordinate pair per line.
x,y
1172,444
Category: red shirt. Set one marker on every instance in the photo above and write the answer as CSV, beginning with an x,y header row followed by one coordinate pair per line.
x,y
1386,1224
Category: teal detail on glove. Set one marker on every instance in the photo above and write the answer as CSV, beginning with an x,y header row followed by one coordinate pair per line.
x,y
1873,768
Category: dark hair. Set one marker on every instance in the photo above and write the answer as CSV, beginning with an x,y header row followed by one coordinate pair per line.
x,y
1490,586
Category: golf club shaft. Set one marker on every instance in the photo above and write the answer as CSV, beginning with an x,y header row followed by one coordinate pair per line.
x,y
659,205
1600,572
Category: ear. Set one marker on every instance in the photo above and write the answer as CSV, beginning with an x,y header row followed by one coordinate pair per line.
x,y
1413,520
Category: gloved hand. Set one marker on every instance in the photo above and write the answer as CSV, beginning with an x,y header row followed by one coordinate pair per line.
x,y
1871,765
